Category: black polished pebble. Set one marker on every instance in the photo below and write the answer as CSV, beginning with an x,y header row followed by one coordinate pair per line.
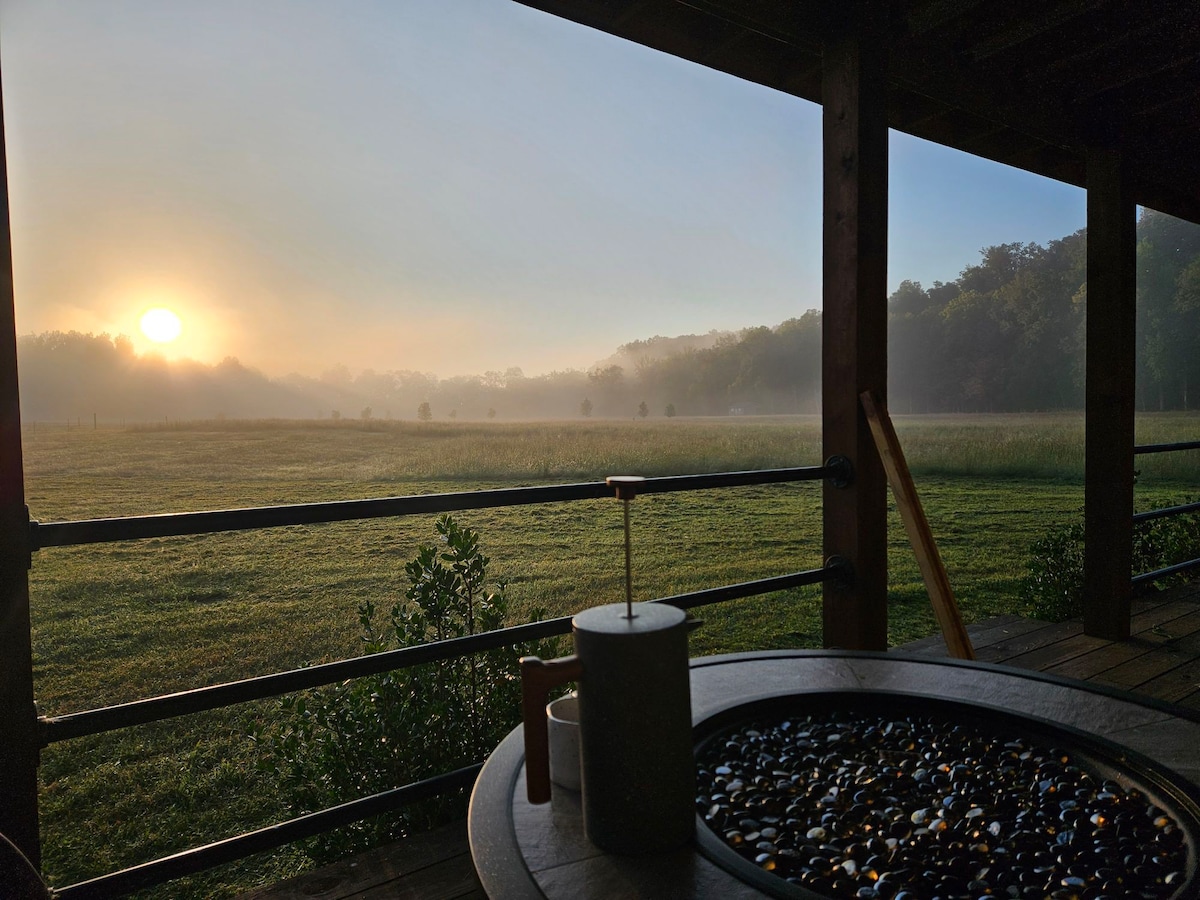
x,y
858,805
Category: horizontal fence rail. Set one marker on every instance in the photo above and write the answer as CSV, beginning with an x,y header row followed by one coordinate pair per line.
x,y
1165,572
154,709
139,712
1165,512
130,528
199,859
1166,448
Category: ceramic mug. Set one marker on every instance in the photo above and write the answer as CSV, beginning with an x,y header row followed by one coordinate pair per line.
x,y
562,724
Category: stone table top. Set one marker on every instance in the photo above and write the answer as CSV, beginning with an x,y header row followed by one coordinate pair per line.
x,y
540,852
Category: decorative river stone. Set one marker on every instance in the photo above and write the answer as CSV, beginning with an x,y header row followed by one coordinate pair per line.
x,y
918,806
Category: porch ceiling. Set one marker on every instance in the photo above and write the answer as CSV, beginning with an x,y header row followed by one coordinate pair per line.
x,y
1028,83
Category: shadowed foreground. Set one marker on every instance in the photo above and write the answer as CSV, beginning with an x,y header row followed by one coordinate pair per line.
x,y
1161,659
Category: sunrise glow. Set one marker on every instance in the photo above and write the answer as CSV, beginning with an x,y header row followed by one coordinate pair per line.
x,y
161,325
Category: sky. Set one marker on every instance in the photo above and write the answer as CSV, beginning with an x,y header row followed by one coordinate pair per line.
x,y
446,186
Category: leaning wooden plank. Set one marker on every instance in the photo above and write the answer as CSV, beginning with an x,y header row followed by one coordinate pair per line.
x,y
958,643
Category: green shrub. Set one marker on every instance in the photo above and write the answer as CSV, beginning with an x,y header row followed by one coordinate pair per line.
x,y
1053,584
378,732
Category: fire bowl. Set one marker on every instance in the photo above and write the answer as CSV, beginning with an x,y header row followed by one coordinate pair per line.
x,y
875,794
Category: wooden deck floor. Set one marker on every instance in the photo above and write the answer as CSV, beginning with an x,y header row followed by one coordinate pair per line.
x,y
434,866
1161,660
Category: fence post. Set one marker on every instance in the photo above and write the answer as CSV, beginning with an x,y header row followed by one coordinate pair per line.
x,y
19,745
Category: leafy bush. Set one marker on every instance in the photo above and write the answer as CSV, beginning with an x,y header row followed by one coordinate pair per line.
x,y
1053,584
378,732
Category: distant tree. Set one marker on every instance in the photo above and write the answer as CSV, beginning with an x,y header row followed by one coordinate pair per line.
x,y
335,415
609,385
339,376
1168,319
366,413
1187,311
425,412
491,412
670,410
454,413
585,408
643,410
908,299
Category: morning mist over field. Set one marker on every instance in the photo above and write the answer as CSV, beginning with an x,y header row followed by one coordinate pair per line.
x,y
452,187
1007,335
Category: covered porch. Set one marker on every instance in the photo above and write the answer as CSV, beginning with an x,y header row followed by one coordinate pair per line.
x,y
1101,98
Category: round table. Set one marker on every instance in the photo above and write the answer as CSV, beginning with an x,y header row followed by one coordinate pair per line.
x,y
524,851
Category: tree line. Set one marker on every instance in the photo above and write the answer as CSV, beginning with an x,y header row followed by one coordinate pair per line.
x,y
1006,335
1009,333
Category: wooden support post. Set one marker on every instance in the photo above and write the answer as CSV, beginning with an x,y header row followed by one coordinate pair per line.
x,y
1109,404
19,744
854,341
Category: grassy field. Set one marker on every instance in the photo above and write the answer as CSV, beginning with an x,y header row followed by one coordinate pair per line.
x,y
121,621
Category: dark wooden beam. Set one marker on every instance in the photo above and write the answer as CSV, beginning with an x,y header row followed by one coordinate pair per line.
x,y
854,349
926,17
1087,46
772,21
947,81
1111,353
1163,196
19,744
1033,24
1133,92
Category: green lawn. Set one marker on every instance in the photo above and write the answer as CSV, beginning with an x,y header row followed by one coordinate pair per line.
x,y
120,621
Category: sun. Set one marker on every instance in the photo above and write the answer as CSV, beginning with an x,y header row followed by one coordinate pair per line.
x,y
161,325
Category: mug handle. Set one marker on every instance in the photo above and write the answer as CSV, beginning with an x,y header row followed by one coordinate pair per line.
x,y
537,677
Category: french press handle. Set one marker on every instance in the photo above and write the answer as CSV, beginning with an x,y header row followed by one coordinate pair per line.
x,y
537,678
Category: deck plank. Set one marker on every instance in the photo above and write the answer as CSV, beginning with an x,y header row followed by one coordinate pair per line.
x,y
1161,659
1180,685
1175,654
1001,628
1002,651
1192,700
1149,629
1108,655
982,634
436,865
450,879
